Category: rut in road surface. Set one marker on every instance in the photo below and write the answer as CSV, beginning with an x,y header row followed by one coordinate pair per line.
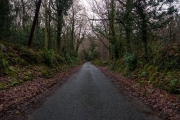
x,y
89,95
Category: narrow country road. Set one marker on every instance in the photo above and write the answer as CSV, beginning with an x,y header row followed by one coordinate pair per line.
x,y
89,95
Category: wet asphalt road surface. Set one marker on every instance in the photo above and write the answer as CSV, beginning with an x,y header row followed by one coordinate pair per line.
x,y
89,95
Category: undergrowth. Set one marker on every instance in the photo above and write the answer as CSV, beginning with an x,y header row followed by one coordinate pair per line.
x,y
163,70
19,64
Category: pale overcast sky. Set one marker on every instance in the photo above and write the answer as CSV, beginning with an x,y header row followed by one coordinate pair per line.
x,y
86,4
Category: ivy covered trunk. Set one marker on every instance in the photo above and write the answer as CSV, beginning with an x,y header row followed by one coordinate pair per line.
x,y
144,38
5,19
143,19
59,31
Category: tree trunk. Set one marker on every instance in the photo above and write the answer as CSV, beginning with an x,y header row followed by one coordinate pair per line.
x,y
144,37
34,24
112,31
128,25
58,36
23,18
128,46
72,32
142,15
45,30
59,31
49,29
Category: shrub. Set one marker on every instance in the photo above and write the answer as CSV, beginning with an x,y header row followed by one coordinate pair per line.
x,y
169,57
130,61
172,86
68,58
48,57
20,37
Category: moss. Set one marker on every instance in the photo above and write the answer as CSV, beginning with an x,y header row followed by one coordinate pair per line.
x,y
31,56
126,72
11,71
2,86
152,77
150,67
169,74
28,76
46,73
144,74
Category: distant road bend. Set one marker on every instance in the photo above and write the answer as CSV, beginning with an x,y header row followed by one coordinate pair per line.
x,y
89,95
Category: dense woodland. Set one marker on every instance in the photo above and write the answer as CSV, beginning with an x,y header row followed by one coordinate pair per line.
x,y
142,39
56,27
139,38
38,38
